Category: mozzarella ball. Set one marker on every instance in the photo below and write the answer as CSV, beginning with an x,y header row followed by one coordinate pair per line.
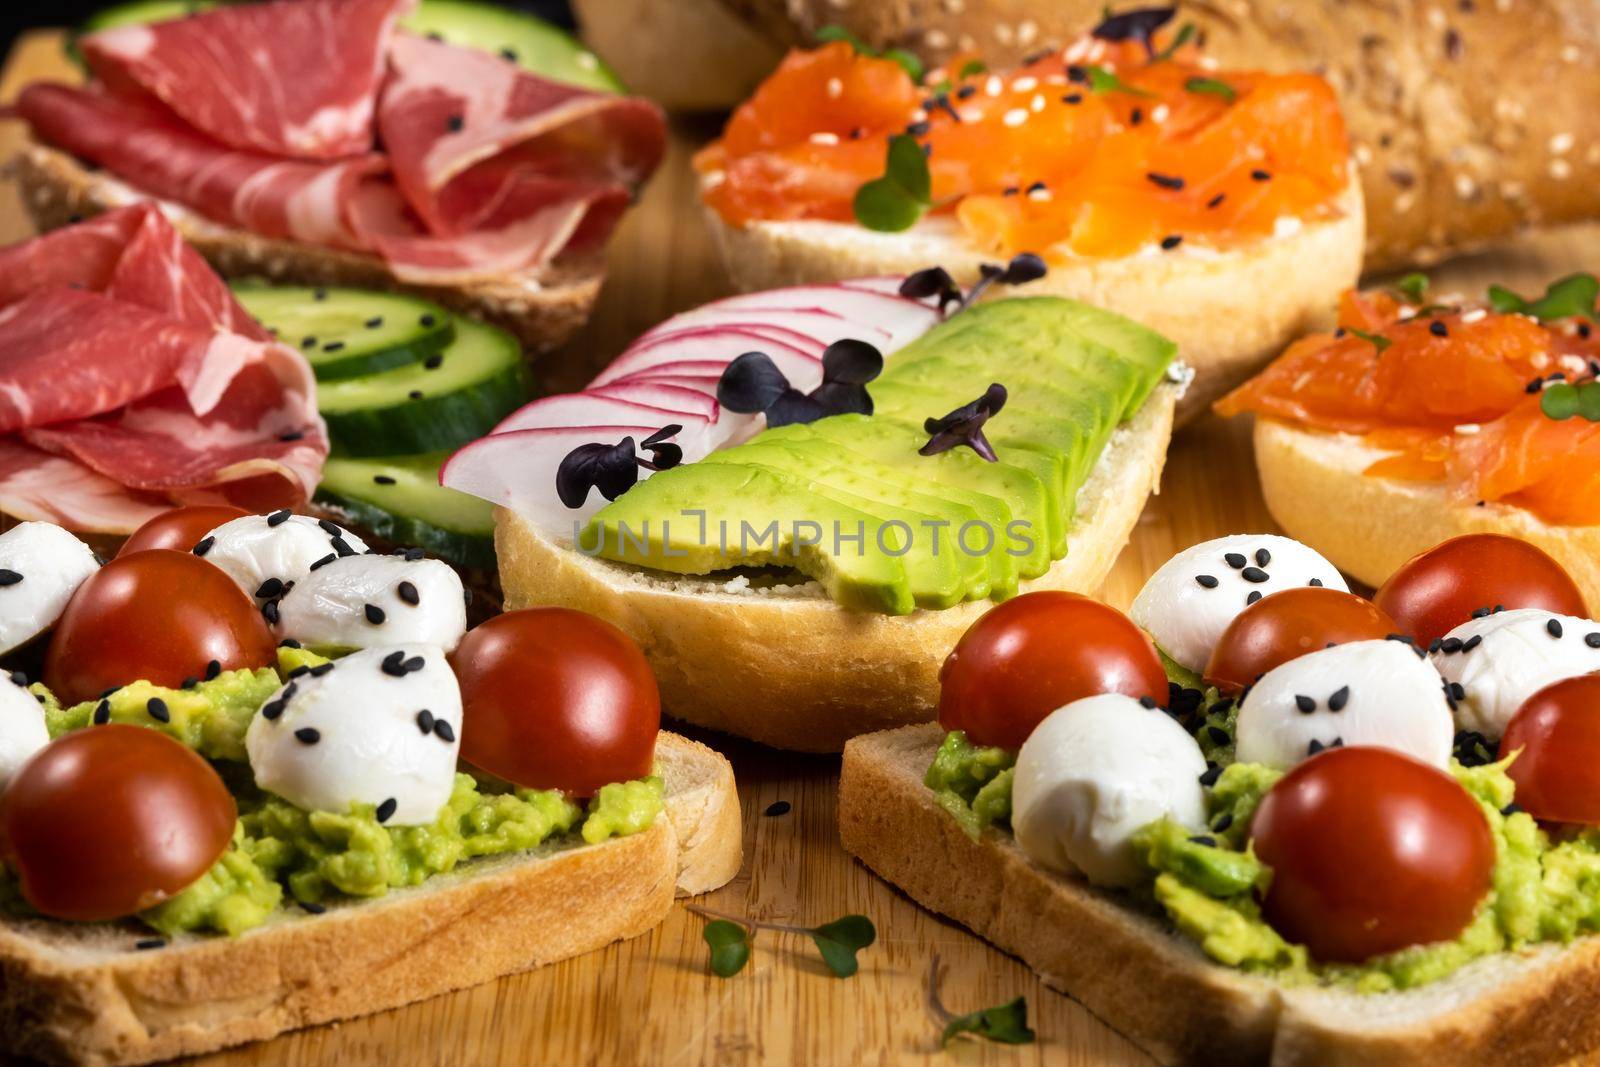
x,y
1363,693
263,554
1186,605
1094,772
360,601
41,566
22,728
1496,662
379,727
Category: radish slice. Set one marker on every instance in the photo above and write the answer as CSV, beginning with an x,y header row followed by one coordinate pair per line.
x,y
715,344
821,326
689,368
700,383
658,394
517,470
592,409
903,320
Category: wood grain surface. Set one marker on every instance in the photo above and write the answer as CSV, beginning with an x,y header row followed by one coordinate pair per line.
x,y
651,1000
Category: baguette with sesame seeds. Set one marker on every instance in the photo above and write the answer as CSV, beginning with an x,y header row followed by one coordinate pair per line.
x,y
1470,119
109,993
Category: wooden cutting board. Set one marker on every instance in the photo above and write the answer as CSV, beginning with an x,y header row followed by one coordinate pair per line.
x,y
651,1000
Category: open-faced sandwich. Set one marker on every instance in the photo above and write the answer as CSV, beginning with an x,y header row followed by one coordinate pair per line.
x,y
1427,416
797,500
1267,820
1218,207
255,776
351,142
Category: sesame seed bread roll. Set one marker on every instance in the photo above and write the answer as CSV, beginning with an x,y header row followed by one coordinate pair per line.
x,y
1470,120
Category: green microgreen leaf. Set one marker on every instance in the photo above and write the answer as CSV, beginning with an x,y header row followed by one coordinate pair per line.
x,y
1413,286
897,200
972,68
840,940
1213,87
730,947
1563,400
1377,340
1565,298
908,62
1006,1024
1186,33
1589,401
1101,80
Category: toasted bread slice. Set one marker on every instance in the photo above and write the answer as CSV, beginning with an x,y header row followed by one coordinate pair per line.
x,y
542,308
1229,312
1133,971
786,665
83,993
1315,489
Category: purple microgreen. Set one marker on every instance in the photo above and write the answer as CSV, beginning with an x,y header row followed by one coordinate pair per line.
x,y
613,469
751,384
1024,267
851,362
843,398
964,425
1139,24
794,406
670,430
932,281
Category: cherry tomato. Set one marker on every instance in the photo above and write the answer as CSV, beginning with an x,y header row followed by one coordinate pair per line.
x,y
1287,625
111,820
1370,851
1035,653
180,528
159,616
1438,590
556,699
1558,732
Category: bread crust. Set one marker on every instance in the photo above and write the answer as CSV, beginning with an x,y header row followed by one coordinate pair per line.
x,y
1367,527
1453,152
796,671
74,993
541,310
1229,312
1156,987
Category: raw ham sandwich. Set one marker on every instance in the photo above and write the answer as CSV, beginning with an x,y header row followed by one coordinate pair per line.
x,y
130,380
317,121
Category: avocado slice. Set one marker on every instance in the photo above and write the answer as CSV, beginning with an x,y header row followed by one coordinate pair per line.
x,y
530,42
707,517
986,574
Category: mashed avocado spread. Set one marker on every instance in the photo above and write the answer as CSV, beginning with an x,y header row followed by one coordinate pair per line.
x,y
313,856
1207,884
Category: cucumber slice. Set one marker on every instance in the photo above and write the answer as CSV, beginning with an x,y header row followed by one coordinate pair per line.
x,y
450,398
399,499
530,42
347,333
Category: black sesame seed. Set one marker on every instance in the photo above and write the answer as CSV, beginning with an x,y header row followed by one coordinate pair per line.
x,y
375,615
269,611
386,810
1222,822
1315,583
1534,386
966,92
374,322
320,669
300,671
308,735
408,593
278,518
333,346
309,342
204,545
292,435
213,669
1482,613
1148,703
158,709
455,123
1450,645
1314,747
433,362
1255,574
319,294
102,713
1203,839
1553,627
1472,642
1305,704
415,394
1339,699
1236,560
272,587
1072,98
341,547
382,479
145,944
288,642
1592,640
919,129
327,526
427,320
411,555
325,560
1136,116
425,721
9,577
1511,809
1218,735
311,907
1263,557
1259,175
272,709
18,678
1457,691
1438,328
1212,773
1435,644
1216,201
394,664
1165,181
1171,241
443,730
1209,581
776,808
189,683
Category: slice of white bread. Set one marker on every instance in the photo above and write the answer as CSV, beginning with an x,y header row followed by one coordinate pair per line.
x,y
541,308
1129,968
83,994
1367,527
789,667
1229,312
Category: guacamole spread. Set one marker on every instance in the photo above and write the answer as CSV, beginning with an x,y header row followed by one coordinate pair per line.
x,y
1208,884
282,853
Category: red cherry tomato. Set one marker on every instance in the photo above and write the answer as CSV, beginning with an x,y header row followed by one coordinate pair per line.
x,y
180,528
110,820
1371,851
1287,625
159,616
1433,593
1558,770
1031,655
556,699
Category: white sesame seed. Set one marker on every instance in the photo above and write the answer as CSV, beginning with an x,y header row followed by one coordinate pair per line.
x,y
1466,188
1560,169
1407,313
1574,364
825,138
1159,113
1025,84
1571,53
1512,190
1561,143
1363,155
1027,30
1037,103
1003,33
1040,195
993,85
936,38
1015,117
1474,315
835,88
1468,428
1405,202
919,115
1540,361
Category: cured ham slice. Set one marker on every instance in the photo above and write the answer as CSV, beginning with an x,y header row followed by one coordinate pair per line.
x,y
130,379
285,78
